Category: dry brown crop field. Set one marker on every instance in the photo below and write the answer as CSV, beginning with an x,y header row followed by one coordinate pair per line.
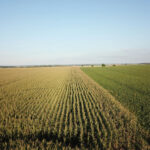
x,y
62,108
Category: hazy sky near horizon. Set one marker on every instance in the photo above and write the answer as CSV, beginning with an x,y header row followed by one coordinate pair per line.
x,y
34,32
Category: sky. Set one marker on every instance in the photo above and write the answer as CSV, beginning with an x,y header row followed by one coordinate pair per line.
x,y
43,32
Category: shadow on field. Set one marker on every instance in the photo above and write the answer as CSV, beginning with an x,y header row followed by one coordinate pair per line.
x,y
73,141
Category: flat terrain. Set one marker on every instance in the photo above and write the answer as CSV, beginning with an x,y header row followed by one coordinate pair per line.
x,y
61,107
129,84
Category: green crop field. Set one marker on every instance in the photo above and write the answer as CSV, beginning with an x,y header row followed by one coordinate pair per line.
x,y
129,84
63,108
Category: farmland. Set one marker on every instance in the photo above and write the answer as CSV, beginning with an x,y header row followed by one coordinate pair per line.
x,y
129,84
62,108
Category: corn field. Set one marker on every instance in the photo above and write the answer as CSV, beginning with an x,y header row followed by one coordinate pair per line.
x,y
62,108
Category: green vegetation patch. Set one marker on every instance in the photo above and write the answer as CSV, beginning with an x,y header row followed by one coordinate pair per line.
x,y
129,84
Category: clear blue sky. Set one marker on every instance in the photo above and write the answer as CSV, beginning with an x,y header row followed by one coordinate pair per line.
x,y
74,31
